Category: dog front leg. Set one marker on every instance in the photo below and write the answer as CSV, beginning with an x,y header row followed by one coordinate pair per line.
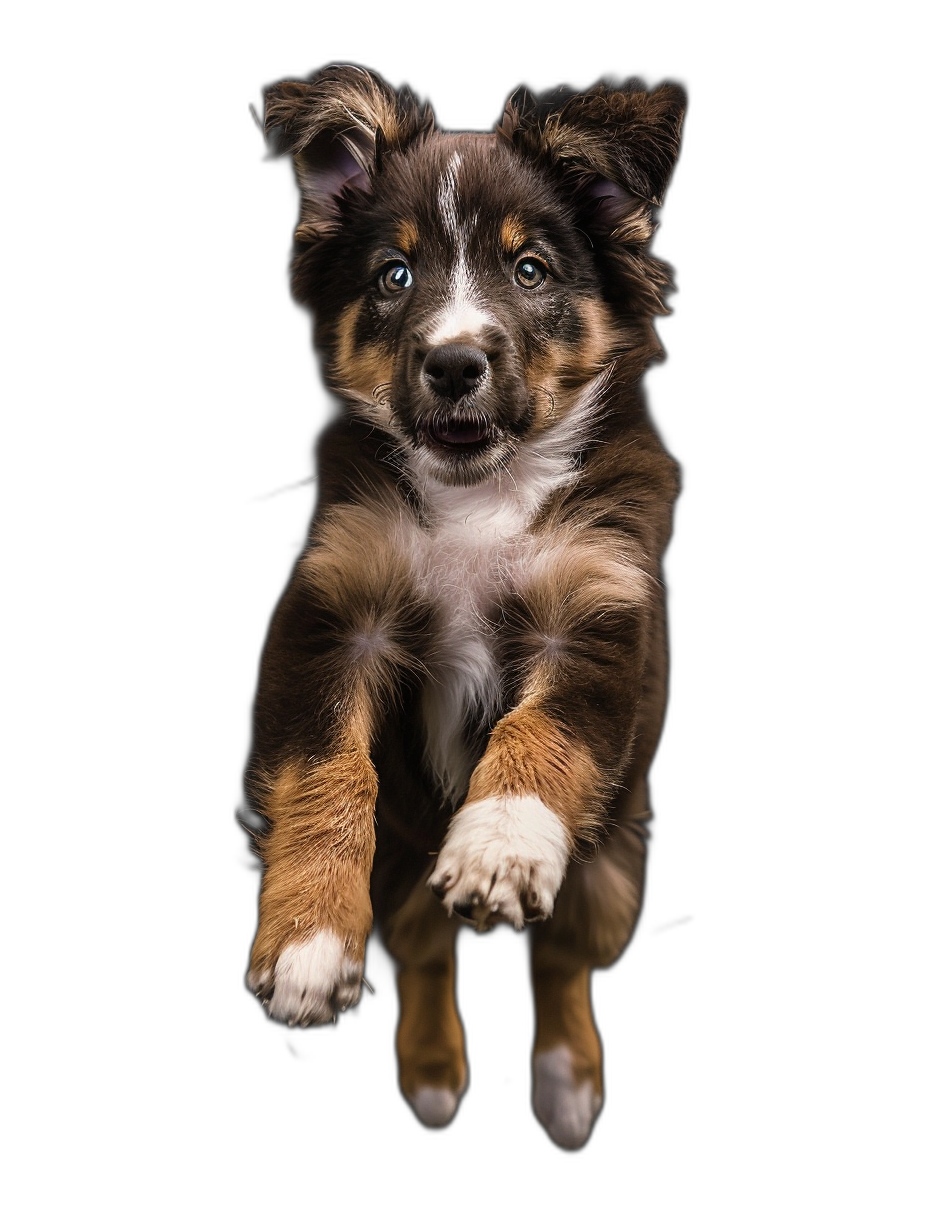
x,y
506,851
335,649
315,912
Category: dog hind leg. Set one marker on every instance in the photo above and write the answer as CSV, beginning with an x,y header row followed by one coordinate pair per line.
x,y
593,921
567,1059
429,1038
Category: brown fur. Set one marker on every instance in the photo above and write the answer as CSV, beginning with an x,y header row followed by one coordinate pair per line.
x,y
568,603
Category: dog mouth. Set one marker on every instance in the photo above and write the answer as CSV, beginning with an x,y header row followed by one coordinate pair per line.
x,y
459,433
462,448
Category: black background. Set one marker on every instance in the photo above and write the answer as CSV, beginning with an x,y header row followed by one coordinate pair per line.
x,y
672,1015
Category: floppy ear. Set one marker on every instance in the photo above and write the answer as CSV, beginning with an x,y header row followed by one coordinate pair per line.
x,y
614,146
337,126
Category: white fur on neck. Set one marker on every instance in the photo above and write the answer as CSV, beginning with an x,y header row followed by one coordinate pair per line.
x,y
476,544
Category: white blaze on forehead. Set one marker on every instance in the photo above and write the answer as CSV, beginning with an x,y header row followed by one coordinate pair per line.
x,y
461,315
447,204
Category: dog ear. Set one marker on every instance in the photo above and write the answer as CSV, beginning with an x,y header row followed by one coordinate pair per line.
x,y
337,126
613,146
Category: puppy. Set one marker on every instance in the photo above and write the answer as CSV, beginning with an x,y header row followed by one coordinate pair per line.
x,y
464,682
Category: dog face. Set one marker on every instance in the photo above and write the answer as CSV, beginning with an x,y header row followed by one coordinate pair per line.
x,y
474,311
466,287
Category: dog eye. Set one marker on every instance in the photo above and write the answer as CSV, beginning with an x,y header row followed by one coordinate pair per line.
x,y
530,274
395,278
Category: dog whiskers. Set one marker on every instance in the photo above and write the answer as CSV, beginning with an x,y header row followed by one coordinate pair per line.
x,y
551,399
512,478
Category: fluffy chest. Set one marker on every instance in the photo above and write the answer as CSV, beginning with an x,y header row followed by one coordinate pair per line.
x,y
477,544
477,538
472,552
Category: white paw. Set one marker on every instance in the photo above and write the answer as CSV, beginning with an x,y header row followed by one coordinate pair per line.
x,y
434,1106
504,858
312,981
566,1108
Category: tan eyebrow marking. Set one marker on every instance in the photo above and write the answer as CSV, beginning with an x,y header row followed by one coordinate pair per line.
x,y
512,234
407,235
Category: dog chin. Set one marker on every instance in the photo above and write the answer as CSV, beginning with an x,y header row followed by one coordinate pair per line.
x,y
462,468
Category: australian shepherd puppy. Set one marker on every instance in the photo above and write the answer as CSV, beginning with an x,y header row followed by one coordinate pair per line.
x,y
464,682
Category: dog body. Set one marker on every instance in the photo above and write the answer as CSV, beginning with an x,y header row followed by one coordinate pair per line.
x,y
470,657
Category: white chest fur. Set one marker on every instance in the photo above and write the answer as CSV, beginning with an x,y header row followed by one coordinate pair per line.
x,y
477,547
467,559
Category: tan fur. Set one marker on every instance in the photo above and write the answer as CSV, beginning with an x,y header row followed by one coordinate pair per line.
x,y
595,915
512,234
359,367
564,1011
317,853
407,235
576,576
372,589
601,336
530,755
430,1038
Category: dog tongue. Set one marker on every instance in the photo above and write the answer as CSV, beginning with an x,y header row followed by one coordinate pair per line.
x,y
461,433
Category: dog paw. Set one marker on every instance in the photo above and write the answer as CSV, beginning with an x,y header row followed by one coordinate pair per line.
x,y
435,1106
504,858
566,1107
312,981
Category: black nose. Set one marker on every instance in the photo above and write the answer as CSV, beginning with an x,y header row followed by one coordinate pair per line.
x,y
454,370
